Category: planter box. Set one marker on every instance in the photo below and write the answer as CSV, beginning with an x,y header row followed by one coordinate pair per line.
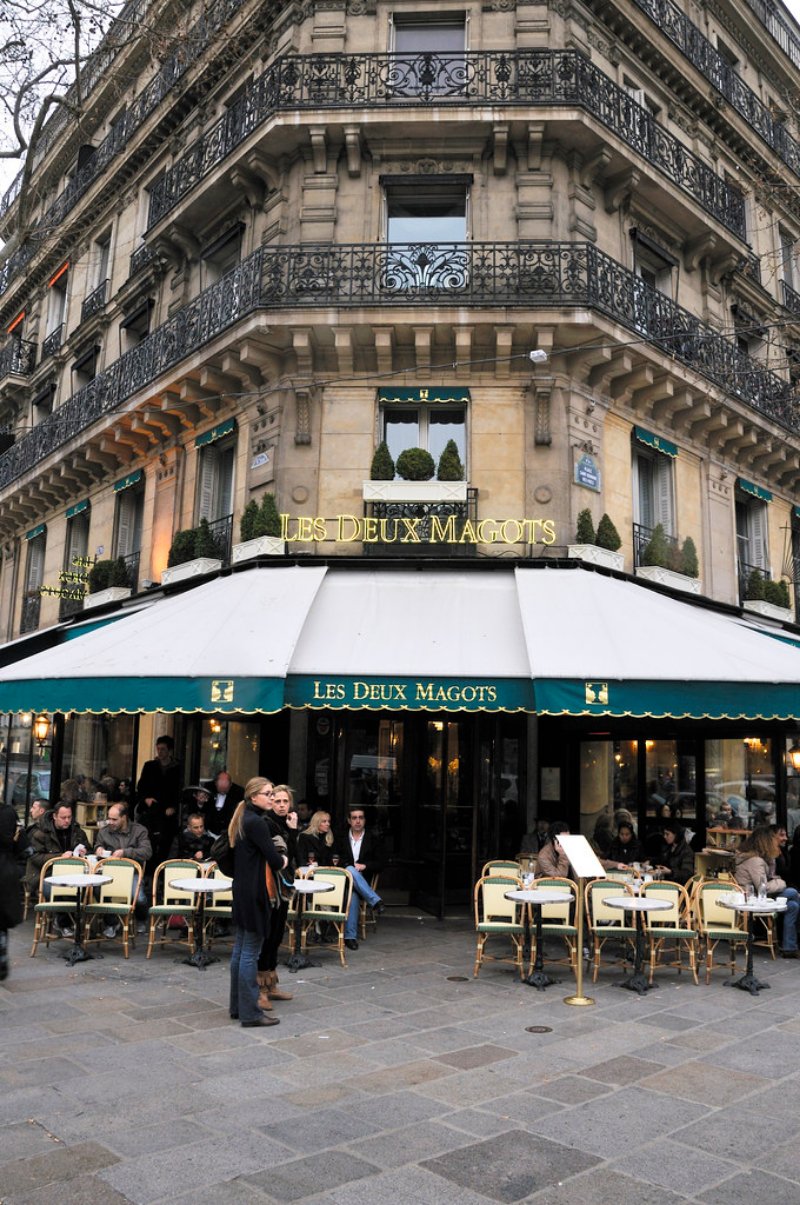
x,y
769,610
415,491
111,594
668,577
260,546
596,556
197,568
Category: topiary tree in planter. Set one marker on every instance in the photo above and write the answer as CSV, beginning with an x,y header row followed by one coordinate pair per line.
x,y
657,550
785,599
689,562
415,464
269,521
100,576
382,464
450,467
205,545
584,529
119,575
607,535
248,521
755,588
776,593
183,545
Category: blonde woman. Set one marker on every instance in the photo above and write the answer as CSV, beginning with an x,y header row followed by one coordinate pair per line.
x,y
316,843
254,851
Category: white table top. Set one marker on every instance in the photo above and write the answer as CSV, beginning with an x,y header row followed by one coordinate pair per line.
x,y
544,895
311,886
78,880
201,885
766,906
638,903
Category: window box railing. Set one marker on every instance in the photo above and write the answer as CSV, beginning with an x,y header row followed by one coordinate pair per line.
x,y
510,78
791,298
423,514
52,343
94,302
641,538
222,535
17,358
31,606
358,275
140,258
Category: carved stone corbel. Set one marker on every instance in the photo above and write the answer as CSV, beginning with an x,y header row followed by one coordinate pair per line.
x,y
352,142
302,403
698,249
319,151
619,188
541,391
500,134
595,165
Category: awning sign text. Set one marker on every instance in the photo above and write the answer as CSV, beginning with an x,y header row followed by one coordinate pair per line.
x,y
425,529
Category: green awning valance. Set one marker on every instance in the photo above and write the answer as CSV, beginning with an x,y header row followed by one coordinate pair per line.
x,y
747,487
424,394
657,442
391,693
78,508
125,483
36,531
210,437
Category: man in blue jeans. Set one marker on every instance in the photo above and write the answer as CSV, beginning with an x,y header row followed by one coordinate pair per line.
x,y
362,857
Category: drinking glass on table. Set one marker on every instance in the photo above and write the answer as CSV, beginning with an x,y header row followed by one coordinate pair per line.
x,y
334,859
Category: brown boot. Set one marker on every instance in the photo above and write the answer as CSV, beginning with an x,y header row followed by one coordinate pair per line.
x,y
262,979
275,993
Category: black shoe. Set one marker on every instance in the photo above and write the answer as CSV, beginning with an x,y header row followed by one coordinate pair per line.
x,y
351,943
233,1016
261,1023
379,908
790,953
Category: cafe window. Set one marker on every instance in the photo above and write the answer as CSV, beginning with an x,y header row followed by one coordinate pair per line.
x,y
740,788
429,427
608,778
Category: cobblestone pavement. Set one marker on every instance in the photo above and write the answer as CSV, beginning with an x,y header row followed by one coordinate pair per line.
x,y
399,1079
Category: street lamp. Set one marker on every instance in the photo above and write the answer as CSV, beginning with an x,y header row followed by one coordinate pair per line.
x,y
793,757
41,730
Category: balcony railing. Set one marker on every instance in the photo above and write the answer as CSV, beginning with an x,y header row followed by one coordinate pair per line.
x,y
676,26
779,27
17,357
791,298
131,563
424,513
68,607
745,572
222,535
451,275
492,77
52,343
94,302
140,258
641,538
31,606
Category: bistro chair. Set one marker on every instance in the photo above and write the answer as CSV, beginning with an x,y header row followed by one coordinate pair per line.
x,y
765,934
114,901
61,901
605,922
219,906
365,914
168,903
505,867
497,916
329,906
558,920
717,923
673,926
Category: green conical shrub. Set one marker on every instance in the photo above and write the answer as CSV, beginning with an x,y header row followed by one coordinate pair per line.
x,y
755,590
183,547
776,593
119,575
99,576
656,550
450,467
584,530
689,562
415,464
205,545
607,535
270,522
248,521
382,464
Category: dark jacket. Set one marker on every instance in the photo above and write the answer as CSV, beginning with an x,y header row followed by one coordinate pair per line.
x,y
618,851
309,843
187,845
371,854
219,818
10,890
47,844
679,860
289,835
252,853
164,785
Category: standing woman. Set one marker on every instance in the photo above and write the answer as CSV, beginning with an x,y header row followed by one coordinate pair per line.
x,y
10,885
256,862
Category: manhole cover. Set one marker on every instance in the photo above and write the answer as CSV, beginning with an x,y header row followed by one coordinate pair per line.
x,y
538,1029
457,979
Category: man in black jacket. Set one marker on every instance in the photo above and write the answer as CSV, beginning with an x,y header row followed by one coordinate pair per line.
x,y
224,795
158,792
363,858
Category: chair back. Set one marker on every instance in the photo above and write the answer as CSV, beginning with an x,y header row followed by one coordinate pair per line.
x,y
491,906
711,914
597,910
61,865
677,916
558,914
504,867
125,874
337,900
169,896
220,901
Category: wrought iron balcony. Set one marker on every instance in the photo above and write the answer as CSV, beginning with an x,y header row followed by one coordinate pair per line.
x,y
140,258
17,358
791,298
491,77
745,573
676,26
68,607
29,621
131,563
778,26
424,513
222,535
52,343
451,275
94,302
641,538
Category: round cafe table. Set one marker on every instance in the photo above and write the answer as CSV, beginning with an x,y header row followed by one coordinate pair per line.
x,y
538,977
80,882
200,887
637,982
755,907
303,887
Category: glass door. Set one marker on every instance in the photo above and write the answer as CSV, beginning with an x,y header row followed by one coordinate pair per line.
x,y
445,815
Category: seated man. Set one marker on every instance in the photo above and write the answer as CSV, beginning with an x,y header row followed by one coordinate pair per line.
x,y
55,835
121,837
362,857
193,841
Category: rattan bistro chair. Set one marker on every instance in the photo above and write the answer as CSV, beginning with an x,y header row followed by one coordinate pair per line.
x,y
718,923
219,907
502,867
366,916
329,906
168,902
114,901
61,900
670,927
497,916
605,922
558,920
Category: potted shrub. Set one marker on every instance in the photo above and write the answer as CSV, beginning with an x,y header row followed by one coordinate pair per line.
x,y
450,467
260,529
657,550
755,590
194,553
588,546
109,581
382,464
416,469
768,598
664,561
182,549
689,562
415,464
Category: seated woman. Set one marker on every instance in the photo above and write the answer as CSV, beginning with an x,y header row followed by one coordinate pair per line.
x,y
755,866
552,861
624,849
316,843
677,855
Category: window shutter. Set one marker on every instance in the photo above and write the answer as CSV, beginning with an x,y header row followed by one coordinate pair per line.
x,y
208,487
35,572
644,491
225,491
77,540
128,530
758,536
662,484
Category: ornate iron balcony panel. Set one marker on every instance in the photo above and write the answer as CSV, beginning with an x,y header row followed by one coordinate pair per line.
x,y
222,535
424,513
140,258
641,538
95,301
516,78
131,562
52,343
791,298
18,358
31,607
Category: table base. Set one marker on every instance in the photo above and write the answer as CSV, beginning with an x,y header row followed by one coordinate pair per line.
x,y
637,982
299,962
748,983
79,953
540,979
200,959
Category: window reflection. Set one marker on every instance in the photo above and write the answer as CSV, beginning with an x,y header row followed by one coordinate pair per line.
x,y
608,783
740,786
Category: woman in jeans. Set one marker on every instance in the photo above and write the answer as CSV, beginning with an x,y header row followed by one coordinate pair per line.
x,y
254,851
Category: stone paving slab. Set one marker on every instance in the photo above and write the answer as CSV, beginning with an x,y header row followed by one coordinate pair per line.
x,y
397,1079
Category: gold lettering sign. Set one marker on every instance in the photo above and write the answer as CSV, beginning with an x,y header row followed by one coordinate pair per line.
x,y
403,693
352,529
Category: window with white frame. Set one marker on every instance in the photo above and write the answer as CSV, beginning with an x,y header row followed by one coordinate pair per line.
x,y
215,480
128,522
426,225
429,33
425,426
653,491
751,535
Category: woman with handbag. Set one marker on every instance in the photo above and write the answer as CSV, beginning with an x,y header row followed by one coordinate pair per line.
x,y
256,865
282,820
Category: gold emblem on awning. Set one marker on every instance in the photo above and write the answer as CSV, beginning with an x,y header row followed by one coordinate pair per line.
x,y
597,692
222,690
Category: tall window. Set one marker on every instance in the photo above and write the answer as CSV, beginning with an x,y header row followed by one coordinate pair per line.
x,y
57,301
427,427
425,217
215,481
221,255
34,577
653,490
128,530
787,253
76,547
